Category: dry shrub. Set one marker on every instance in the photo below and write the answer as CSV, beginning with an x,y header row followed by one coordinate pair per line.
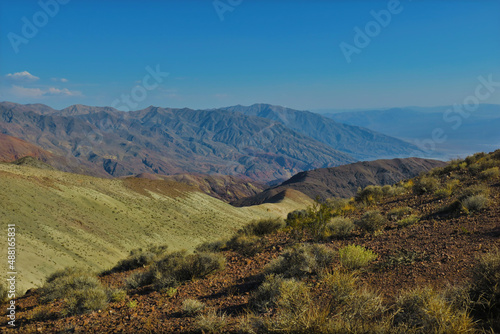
x,y
192,306
398,213
356,257
425,184
340,227
426,311
371,222
485,290
176,268
139,258
301,260
211,322
475,203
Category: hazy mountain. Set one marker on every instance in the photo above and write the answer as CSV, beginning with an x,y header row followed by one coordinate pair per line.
x,y
169,141
361,143
464,135
343,181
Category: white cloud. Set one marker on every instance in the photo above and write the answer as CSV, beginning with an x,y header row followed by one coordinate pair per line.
x,y
64,92
59,79
26,92
38,92
24,76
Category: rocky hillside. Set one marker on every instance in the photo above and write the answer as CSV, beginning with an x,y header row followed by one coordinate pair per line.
x,y
418,257
344,181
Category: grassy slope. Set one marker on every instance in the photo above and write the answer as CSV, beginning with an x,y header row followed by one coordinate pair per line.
x,y
66,219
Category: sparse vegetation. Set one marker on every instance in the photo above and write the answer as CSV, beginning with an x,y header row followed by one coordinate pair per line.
x,y
370,194
426,311
475,202
490,173
356,257
301,260
211,322
176,268
408,221
398,213
80,290
426,184
192,306
371,222
139,258
262,227
340,227
484,291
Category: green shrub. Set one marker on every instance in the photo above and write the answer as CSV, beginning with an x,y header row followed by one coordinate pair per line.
x,y
352,309
295,312
371,222
267,294
139,258
192,306
81,291
211,322
117,295
212,246
176,268
248,245
425,311
398,213
443,193
84,300
475,203
408,221
340,227
425,185
262,227
485,290
355,257
369,194
295,218
477,189
490,173
301,260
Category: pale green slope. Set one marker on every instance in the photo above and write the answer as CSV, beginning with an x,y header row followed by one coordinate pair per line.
x,y
66,219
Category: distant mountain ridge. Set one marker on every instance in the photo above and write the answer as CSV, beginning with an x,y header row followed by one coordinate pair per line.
x,y
361,143
343,181
176,141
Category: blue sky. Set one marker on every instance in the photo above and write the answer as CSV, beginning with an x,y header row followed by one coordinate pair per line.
x,y
280,52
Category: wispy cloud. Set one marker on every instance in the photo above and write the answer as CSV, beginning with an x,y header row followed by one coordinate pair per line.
x,y
24,76
20,91
59,79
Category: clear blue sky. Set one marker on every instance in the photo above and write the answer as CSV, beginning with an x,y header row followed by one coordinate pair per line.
x,y
278,52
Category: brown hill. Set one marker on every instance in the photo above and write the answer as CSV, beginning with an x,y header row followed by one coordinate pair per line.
x,y
344,181
12,148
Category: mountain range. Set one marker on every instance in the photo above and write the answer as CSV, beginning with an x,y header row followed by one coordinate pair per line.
x,y
463,132
263,142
